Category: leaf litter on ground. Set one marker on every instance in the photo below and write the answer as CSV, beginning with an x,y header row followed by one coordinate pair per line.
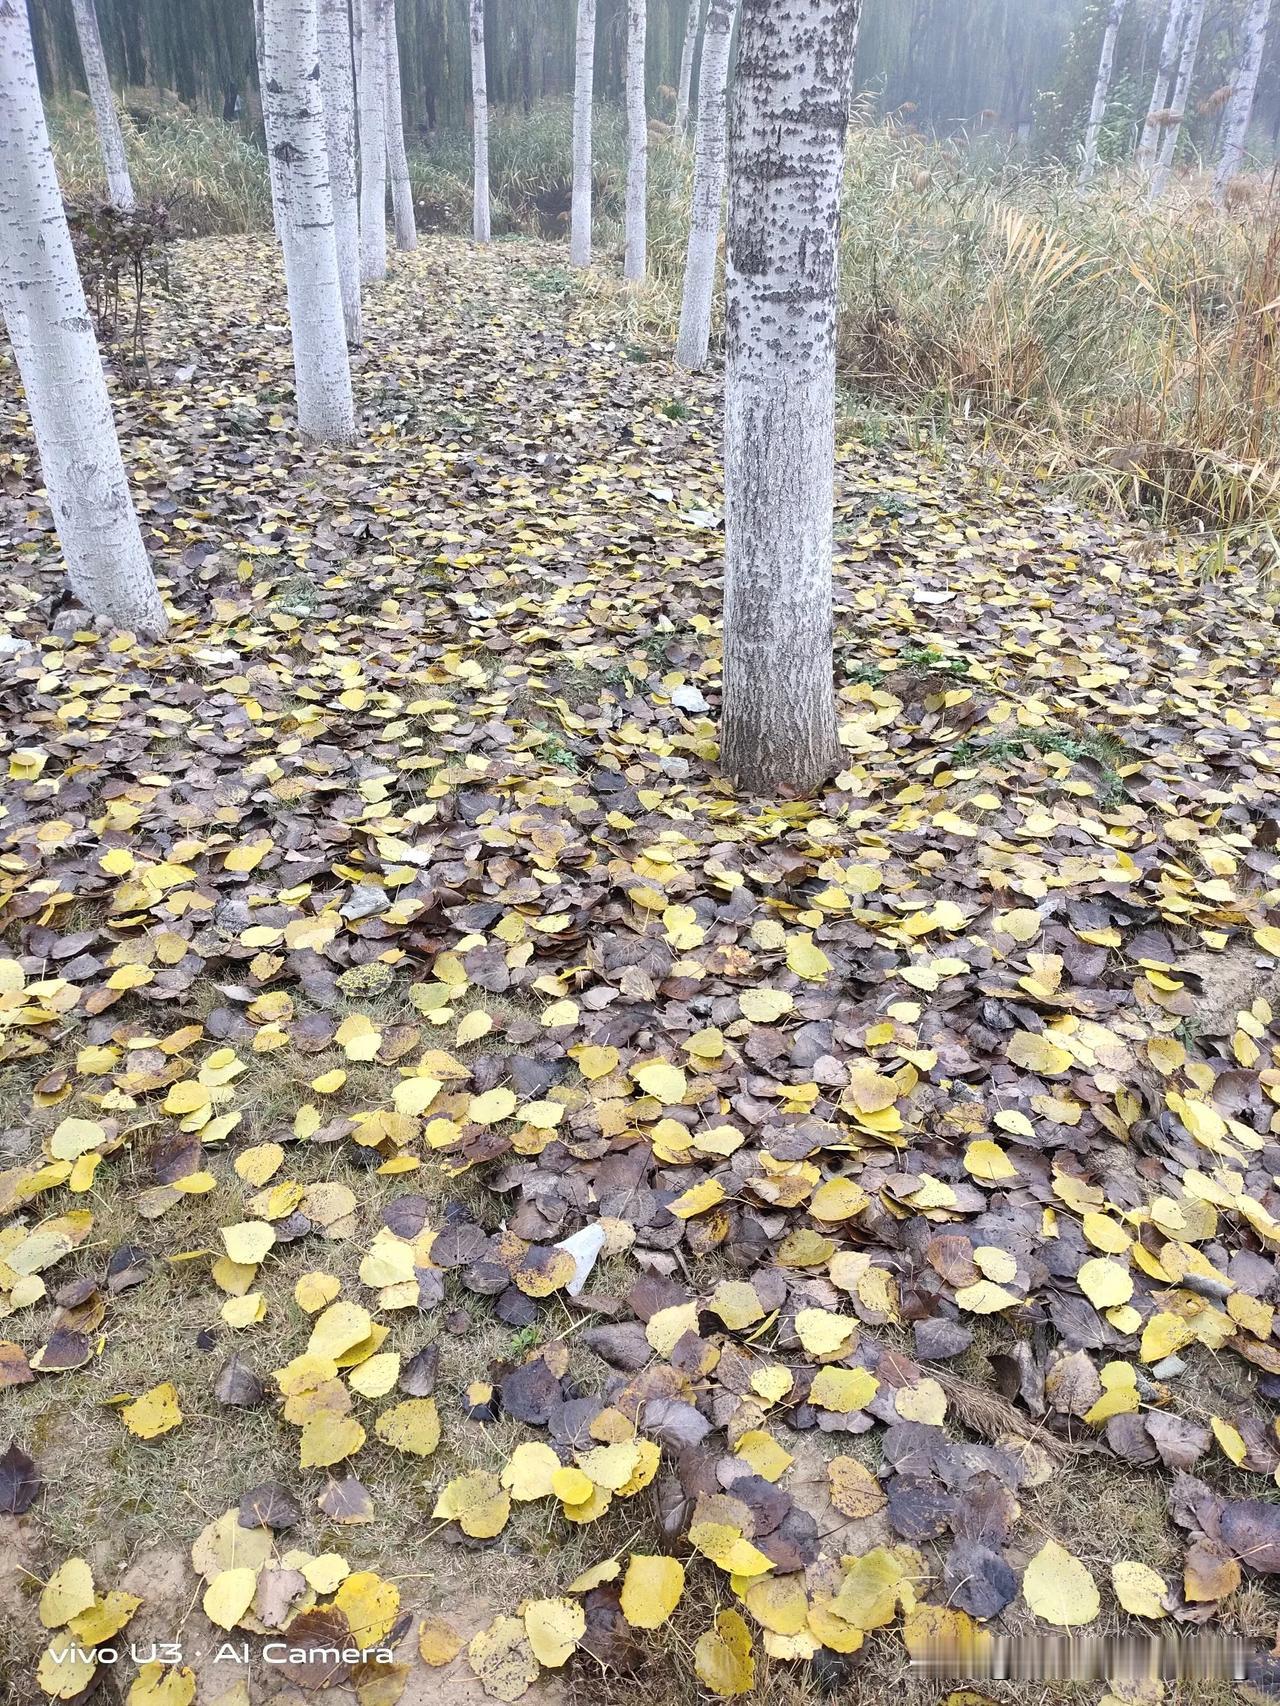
x,y
391,917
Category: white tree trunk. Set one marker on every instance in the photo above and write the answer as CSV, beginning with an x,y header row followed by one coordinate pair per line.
x,y
273,165
790,111
1166,69
337,89
57,354
636,260
709,157
110,136
684,94
583,96
481,223
1181,94
373,140
397,158
1101,89
1240,106
321,371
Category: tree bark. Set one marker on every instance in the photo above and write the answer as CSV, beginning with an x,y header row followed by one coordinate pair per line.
x,y
337,88
321,371
57,355
684,94
583,96
481,223
397,157
110,136
373,140
1101,89
273,164
1181,94
709,162
1240,106
635,263
1166,69
790,111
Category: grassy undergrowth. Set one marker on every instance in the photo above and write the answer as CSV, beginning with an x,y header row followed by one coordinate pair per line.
x,y
1127,347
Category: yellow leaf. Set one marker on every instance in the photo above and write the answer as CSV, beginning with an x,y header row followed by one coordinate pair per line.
x,y
1138,1588
987,1161
838,1199
764,1006
412,1427
370,1605
67,1593
477,1502
805,958
65,1669
493,1106
843,1389
327,1439
554,1628
1036,1052
248,1242
329,1082
528,1472
438,1642
722,1657
651,1590
503,1659
662,1079
595,1062
156,1412
1105,1283
229,1595
1059,1589
413,1096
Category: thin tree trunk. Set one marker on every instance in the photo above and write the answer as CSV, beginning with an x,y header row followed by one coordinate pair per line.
x,y
337,88
321,371
110,136
1240,106
481,225
57,355
684,94
1165,70
709,160
635,263
583,95
1181,95
397,158
1101,89
273,164
373,140
790,111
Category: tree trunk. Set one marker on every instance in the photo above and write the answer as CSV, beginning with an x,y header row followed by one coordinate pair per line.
x,y
481,227
684,94
57,355
273,164
583,95
373,140
709,157
1240,106
397,158
635,263
1097,112
321,372
1181,94
110,136
337,89
1165,71
790,111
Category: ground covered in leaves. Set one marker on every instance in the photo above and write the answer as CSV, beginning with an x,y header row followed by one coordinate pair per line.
x,y
389,926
